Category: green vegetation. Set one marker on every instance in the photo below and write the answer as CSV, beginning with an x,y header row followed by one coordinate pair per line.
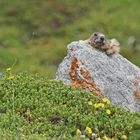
x,y
33,34
34,108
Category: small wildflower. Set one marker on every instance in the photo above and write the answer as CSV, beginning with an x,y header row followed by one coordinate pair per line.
x,y
124,137
10,78
8,69
82,136
78,132
94,135
108,111
90,103
101,105
105,100
106,138
88,130
96,106
99,138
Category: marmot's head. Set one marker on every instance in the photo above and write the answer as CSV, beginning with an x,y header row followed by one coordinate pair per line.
x,y
97,39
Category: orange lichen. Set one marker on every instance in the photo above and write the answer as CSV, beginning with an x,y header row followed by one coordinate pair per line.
x,y
137,93
86,81
137,90
136,83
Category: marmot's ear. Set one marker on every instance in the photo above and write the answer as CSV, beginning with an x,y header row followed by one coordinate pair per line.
x,y
114,42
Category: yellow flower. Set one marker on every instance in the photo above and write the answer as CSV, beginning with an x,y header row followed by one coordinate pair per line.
x,y
96,106
124,137
101,105
105,100
78,132
10,78
88,130
99,138
108,111
8,69
90,103
106,138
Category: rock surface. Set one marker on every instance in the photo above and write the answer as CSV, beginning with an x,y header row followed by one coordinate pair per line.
x,y
113,76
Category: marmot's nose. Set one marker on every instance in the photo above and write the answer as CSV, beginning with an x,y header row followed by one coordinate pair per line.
x,y
102,38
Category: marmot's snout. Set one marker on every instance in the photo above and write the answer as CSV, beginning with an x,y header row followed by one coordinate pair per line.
x,y
102,40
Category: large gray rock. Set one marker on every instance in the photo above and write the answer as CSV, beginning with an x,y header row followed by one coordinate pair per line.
x,y
113,76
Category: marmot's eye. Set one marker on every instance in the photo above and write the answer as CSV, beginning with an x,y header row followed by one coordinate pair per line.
x,y
95,34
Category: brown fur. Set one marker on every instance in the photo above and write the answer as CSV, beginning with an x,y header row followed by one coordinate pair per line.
x,y
99,41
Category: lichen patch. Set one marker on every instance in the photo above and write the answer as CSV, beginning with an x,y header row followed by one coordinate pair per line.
x,y
86,82
137,94
136,85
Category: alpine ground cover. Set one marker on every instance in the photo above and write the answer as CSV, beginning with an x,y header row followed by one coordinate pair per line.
x,y
33,107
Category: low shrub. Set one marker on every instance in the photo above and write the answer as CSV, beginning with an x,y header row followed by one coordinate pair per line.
x,y
33,107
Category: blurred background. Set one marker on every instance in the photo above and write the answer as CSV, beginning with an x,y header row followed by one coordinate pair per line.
x,y
34,33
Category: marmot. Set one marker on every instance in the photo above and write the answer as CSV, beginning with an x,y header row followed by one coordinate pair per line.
x,y
99,41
